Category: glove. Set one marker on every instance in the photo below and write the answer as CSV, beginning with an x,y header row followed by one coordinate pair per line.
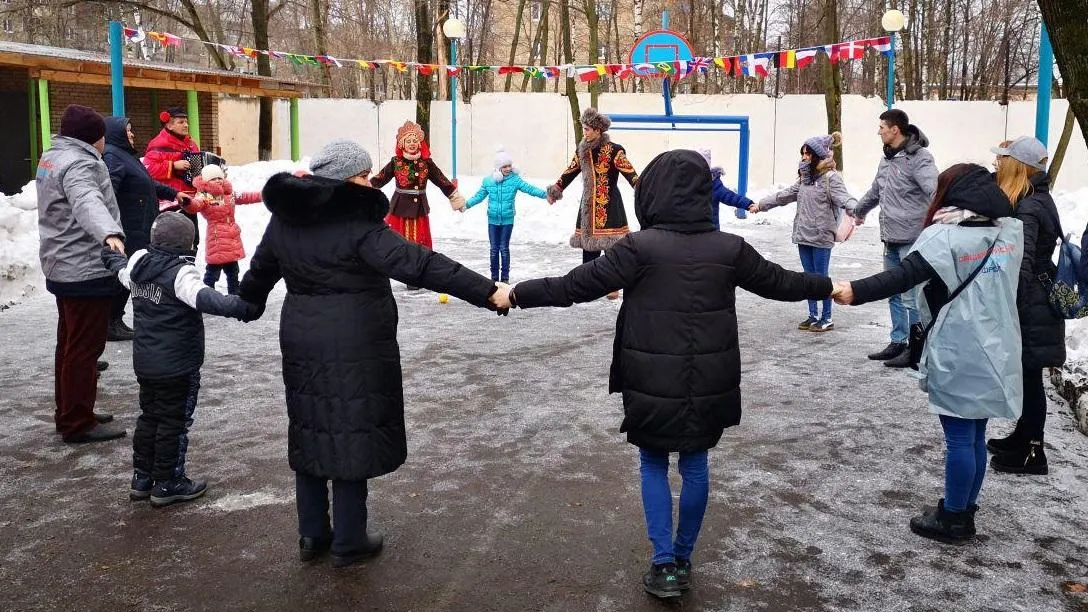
x,y
114,261
252,313
457,200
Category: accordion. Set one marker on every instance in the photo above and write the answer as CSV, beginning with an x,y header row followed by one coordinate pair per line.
x,y
198,160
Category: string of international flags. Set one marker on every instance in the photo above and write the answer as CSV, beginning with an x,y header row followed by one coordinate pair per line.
x,y
748,64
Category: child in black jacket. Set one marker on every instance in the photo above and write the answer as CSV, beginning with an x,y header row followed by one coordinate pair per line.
x,y
168,297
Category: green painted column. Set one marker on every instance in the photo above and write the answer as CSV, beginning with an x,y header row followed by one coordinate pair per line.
x,y
43,114
295,144
32,107
193,108
155,110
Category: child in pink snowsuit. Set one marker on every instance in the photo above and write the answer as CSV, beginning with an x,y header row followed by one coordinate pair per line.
x,y
215,200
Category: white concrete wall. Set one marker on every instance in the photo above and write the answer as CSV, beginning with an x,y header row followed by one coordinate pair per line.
x,y
536,129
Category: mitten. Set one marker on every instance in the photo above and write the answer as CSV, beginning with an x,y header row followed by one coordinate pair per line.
x,y
253,312
457,201
554,192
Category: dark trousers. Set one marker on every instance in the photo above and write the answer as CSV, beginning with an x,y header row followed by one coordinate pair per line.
x,y
196,236
162,431
348,511
588,256
211,275
117,306
499,237
81,338
1033,419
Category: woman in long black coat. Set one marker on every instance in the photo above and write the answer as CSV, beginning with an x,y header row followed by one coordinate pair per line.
x,y
676,356
138,198
338,334
1022,176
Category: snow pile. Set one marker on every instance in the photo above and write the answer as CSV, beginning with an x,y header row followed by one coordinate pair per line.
x,y
20,270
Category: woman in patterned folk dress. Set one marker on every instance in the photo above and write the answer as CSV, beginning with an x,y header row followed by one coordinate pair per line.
x,y
602,221
412,167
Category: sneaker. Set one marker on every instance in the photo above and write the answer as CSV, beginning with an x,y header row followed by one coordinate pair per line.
x,y
177,490
371,548
941,525
119,332
661,581
1028,460
683,573
142,484
807,323
822,325
891,351
98,433
312,548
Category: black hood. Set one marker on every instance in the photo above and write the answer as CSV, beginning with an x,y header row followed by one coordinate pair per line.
x,y
116,134
1040,182
310,200
977,191
155,263
674,193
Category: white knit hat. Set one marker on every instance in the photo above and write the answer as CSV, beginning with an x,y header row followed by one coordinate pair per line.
x,y
503,158
212,171
706,155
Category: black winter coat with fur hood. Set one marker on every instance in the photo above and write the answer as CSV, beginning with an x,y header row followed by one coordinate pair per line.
x,y
676,356
338,328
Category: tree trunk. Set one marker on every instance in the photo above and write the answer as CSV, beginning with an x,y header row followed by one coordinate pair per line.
x,y
832,78
1069,35
514,43
593,23
637,9
424,55
259,17
318,11
1063,146
568,58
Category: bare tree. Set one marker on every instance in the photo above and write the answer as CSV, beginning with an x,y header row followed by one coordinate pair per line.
x,y
1068,30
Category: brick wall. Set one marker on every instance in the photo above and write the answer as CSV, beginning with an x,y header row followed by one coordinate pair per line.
x,y
138,107
13,78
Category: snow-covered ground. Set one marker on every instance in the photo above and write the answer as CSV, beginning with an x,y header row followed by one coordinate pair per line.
x,y
20,272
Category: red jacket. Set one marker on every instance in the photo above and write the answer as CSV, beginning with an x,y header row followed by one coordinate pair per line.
x,y
163,150
223,238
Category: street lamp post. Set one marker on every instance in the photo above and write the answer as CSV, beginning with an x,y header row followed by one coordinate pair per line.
x,y
454,30
893,22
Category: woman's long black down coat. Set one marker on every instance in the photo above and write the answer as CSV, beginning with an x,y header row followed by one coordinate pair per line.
x,y
1042,330
338,327
676,356
137,193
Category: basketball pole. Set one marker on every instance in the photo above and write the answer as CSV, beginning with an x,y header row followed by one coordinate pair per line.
x,y
665,82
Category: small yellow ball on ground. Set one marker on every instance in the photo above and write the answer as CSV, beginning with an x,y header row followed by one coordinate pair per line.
x,y
443,298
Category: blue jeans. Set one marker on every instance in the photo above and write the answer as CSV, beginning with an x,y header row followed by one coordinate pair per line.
x,y
816,260
499,236
965,461
903,307
657,502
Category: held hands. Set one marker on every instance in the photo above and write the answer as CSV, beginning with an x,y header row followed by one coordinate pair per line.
x,y
113,260
501,298
116,243
183,199
753,208
843,293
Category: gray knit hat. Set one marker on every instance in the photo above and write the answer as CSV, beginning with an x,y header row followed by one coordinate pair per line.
x,y
821,145
591,118
341,160
173,232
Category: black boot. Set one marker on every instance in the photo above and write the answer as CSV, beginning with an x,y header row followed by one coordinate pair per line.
x,y
312,548
371,548
102,365
142,484
119,332
889,352
662,582
1030,459
942,525
1011,442
177,490
902,360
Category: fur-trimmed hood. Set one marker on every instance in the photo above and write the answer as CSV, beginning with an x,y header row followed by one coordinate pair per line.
x,y
311,200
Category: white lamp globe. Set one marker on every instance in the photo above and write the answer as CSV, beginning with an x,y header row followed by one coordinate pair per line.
x,y
893,21
453,28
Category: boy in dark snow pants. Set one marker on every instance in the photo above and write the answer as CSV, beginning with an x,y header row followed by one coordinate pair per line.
x,y
168,297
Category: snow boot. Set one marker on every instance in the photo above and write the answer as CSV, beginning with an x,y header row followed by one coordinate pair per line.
x,y
662,582
942,525
177,490
1027,460
141,487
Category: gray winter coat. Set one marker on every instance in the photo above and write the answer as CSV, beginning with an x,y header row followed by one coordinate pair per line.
x,y
903,188
818,208
77,211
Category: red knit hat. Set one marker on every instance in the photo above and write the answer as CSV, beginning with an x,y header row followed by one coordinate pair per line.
x,y
82,123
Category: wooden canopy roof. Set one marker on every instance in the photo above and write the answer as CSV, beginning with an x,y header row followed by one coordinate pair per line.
x,y
63,65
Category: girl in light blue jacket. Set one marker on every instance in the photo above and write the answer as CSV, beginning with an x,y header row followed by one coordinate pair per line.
x,y
501,188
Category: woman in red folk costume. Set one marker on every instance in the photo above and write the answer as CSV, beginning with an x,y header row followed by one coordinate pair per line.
x,y
165,155
412,167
